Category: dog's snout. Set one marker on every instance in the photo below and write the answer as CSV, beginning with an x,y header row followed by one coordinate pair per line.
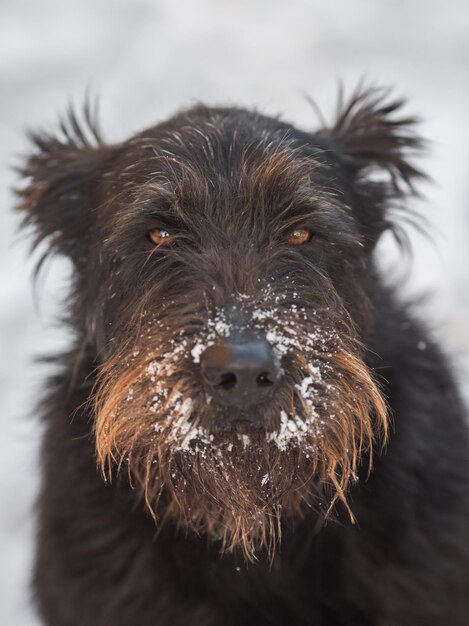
x,y
240,374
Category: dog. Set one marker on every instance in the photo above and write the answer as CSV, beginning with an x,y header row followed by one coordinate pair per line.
x,y
250,427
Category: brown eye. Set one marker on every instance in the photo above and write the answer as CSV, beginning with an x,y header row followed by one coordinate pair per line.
x,y
299,236
161,237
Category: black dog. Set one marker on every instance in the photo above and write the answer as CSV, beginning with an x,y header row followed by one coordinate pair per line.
x,y
249,428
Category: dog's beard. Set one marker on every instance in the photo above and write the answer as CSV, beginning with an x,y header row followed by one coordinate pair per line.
x,y
224,476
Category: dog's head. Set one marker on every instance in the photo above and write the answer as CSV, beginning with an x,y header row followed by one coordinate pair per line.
x,y
222,277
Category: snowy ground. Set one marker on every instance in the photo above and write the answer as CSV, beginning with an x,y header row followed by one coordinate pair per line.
x,y
147,58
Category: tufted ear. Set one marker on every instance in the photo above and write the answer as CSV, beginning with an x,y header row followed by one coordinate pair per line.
x,y
59,179
371,133
376,145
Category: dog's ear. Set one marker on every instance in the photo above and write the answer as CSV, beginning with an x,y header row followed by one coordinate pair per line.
x,y
376,145
59,179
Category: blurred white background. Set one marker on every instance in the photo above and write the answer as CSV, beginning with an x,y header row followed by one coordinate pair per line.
x,y
146,59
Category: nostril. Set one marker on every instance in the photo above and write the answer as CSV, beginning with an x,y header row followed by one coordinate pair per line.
x,y
227,381
263,380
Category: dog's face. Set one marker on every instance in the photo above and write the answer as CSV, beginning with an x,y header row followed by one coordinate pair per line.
x,y
222,265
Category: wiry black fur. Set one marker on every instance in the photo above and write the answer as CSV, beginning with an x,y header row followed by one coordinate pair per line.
x,y
100,560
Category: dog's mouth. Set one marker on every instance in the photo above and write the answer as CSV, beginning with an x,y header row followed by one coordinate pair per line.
x,y
234,422
233,429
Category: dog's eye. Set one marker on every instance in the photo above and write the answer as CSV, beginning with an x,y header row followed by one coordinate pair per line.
x,y
299,236
161,237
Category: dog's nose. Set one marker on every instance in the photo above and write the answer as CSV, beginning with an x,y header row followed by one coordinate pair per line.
x,y
241,374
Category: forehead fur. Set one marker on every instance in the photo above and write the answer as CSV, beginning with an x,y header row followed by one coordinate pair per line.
x,y
227,167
